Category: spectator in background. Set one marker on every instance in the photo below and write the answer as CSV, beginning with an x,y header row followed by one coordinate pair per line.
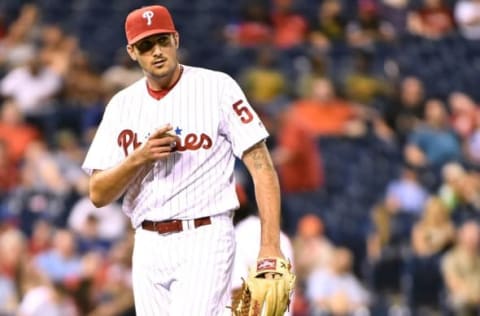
x,y
289,28
9,176
83,97
433,20
406,194
68,148
123,73
111,222
61,263
13,255
32,86
82,100
12,251
449,192
40,296
464,114
68,156
44,190
386,243
254,29
434,232
300,170
468,206
361,84
472,143
381,232
432,235
83,85
297,157
88,239
314,66
383,133
367,29
112,294
434,138
405,111
45,299
312,248
395,13
264,84
461,271
323,113
467,16
41,238
14,132
17,47
8,297
335,290
41,172
57,49
329,26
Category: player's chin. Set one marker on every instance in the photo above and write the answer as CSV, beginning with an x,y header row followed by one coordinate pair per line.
x,y
161,71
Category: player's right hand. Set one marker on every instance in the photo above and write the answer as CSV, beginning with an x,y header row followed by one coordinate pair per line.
x,y
158,146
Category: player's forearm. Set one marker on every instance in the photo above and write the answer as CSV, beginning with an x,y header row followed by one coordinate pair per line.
x,y
108,185
267,193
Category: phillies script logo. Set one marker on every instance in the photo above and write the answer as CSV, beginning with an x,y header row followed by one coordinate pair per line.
x,y
129,139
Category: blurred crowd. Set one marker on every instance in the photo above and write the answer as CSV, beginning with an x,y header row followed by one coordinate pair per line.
x,y
372,106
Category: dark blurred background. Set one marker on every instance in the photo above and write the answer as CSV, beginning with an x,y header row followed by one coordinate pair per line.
x,y
372,106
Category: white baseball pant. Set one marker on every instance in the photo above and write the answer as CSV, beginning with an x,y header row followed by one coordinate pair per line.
x,y
185,273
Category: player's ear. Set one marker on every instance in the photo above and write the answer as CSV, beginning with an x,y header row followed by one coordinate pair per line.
x,y
131,52
176,39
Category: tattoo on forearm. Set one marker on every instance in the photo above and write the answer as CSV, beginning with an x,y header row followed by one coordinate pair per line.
x,y
260,159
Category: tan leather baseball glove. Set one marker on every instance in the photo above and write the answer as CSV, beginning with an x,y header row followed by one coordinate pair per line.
x,y
265,296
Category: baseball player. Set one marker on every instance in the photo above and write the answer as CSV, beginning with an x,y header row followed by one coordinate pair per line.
x,y
167,144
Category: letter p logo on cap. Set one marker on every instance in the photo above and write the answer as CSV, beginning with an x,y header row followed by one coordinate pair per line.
x,y
148,15
147,21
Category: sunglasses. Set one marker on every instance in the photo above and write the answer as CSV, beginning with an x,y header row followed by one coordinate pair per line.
x,y
147,44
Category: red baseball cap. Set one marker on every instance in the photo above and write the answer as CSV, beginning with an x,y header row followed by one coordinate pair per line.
x,y
147,21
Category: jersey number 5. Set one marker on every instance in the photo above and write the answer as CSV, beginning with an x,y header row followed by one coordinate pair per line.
x,y
243,112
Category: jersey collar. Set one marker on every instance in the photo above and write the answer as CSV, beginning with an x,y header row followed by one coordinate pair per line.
x,y
158,94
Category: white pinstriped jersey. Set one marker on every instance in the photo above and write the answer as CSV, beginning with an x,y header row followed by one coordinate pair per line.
x,y
215,123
